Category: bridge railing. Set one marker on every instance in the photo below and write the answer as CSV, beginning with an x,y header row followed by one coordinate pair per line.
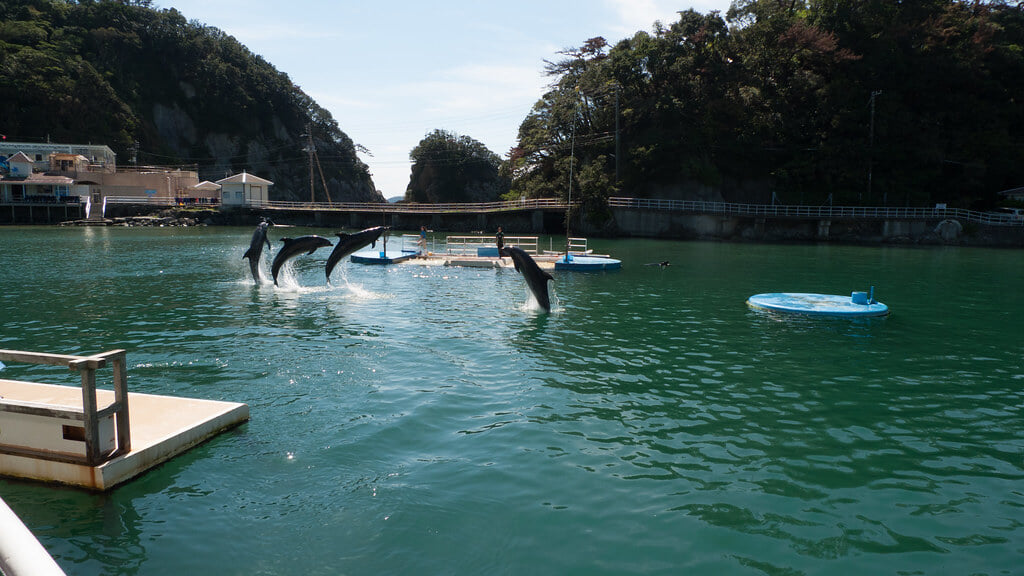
x,y
379,207
691,206
815,212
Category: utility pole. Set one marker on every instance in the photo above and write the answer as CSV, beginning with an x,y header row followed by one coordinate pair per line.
x,y
871,146
309,151
617,133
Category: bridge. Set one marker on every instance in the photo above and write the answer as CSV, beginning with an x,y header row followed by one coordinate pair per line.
x,y
537,214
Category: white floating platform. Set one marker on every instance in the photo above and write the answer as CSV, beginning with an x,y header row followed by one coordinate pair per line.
x,y
382,257
162,427
854,305
587,263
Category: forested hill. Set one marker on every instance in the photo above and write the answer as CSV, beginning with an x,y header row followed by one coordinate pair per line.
x,y
121,72
856,102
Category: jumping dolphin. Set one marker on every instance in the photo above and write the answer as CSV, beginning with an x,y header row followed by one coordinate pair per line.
x,y
255,251
349,243
295,246
536,279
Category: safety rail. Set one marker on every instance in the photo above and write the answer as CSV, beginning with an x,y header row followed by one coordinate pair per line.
x,y
553,204
814,212
469,245
90,414
378,207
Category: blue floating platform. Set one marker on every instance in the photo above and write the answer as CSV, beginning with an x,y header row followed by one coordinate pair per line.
x,y
856,305
587,263
382,257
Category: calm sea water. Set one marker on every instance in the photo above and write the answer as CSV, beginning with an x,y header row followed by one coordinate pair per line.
x,y
425,420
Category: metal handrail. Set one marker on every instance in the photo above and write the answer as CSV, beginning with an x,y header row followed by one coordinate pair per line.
x,y
814,212
468,245
692,206
475,207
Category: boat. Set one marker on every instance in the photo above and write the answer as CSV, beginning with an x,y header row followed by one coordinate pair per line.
x,y
857,304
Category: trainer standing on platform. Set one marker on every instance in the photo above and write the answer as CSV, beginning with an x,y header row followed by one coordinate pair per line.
x,y
499,239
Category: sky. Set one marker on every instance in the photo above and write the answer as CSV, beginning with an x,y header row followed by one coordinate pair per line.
x,y
393,71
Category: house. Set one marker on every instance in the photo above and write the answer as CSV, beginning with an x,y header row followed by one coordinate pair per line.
x,y
97,157
21,184
244,190
85,172
1013,194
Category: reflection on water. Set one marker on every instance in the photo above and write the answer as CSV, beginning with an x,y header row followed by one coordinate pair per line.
x,y
427,419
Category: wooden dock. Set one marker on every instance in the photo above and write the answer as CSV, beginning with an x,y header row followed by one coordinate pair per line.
x,y
87,437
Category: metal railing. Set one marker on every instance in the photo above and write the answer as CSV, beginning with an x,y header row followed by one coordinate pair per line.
x,y
378,207
815,212
690,206
469,245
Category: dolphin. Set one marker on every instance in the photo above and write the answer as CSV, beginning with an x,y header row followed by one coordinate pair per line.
x,y
349,243
295,246
255,251
536,279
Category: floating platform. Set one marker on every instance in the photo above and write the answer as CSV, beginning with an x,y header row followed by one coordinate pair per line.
x,y
382,257
162,427
858,304
587,263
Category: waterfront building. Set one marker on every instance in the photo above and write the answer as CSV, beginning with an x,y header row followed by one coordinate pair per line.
x,y
244,190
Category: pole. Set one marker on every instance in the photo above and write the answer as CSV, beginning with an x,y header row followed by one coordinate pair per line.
x,y
617,133
871,145
309,151
568,210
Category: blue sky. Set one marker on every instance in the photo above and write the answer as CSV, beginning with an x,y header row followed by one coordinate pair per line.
x,y
392,71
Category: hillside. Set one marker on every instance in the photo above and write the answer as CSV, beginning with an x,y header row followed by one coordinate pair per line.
x,y
163,90
818,102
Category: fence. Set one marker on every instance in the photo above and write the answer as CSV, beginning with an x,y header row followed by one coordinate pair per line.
x,y
690,206
816,212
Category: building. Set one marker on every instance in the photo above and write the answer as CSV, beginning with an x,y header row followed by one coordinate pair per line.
x,y
22,184
45,173
32,173
98,157
244,190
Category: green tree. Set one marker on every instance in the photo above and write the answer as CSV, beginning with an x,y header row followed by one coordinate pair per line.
x,y
448,167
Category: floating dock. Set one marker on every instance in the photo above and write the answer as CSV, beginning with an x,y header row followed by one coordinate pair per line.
x,y
858,304
409,248
88,437
586,263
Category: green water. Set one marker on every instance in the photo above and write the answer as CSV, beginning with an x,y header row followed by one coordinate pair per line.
x,y
423,420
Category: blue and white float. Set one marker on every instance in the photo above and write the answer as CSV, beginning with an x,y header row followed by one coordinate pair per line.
x,y
858,304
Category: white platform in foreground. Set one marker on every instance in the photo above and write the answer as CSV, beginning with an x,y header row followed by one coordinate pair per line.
x,y
161,427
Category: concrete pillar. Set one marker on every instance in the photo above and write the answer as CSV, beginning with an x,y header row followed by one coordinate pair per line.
x,y
823,228
537,221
